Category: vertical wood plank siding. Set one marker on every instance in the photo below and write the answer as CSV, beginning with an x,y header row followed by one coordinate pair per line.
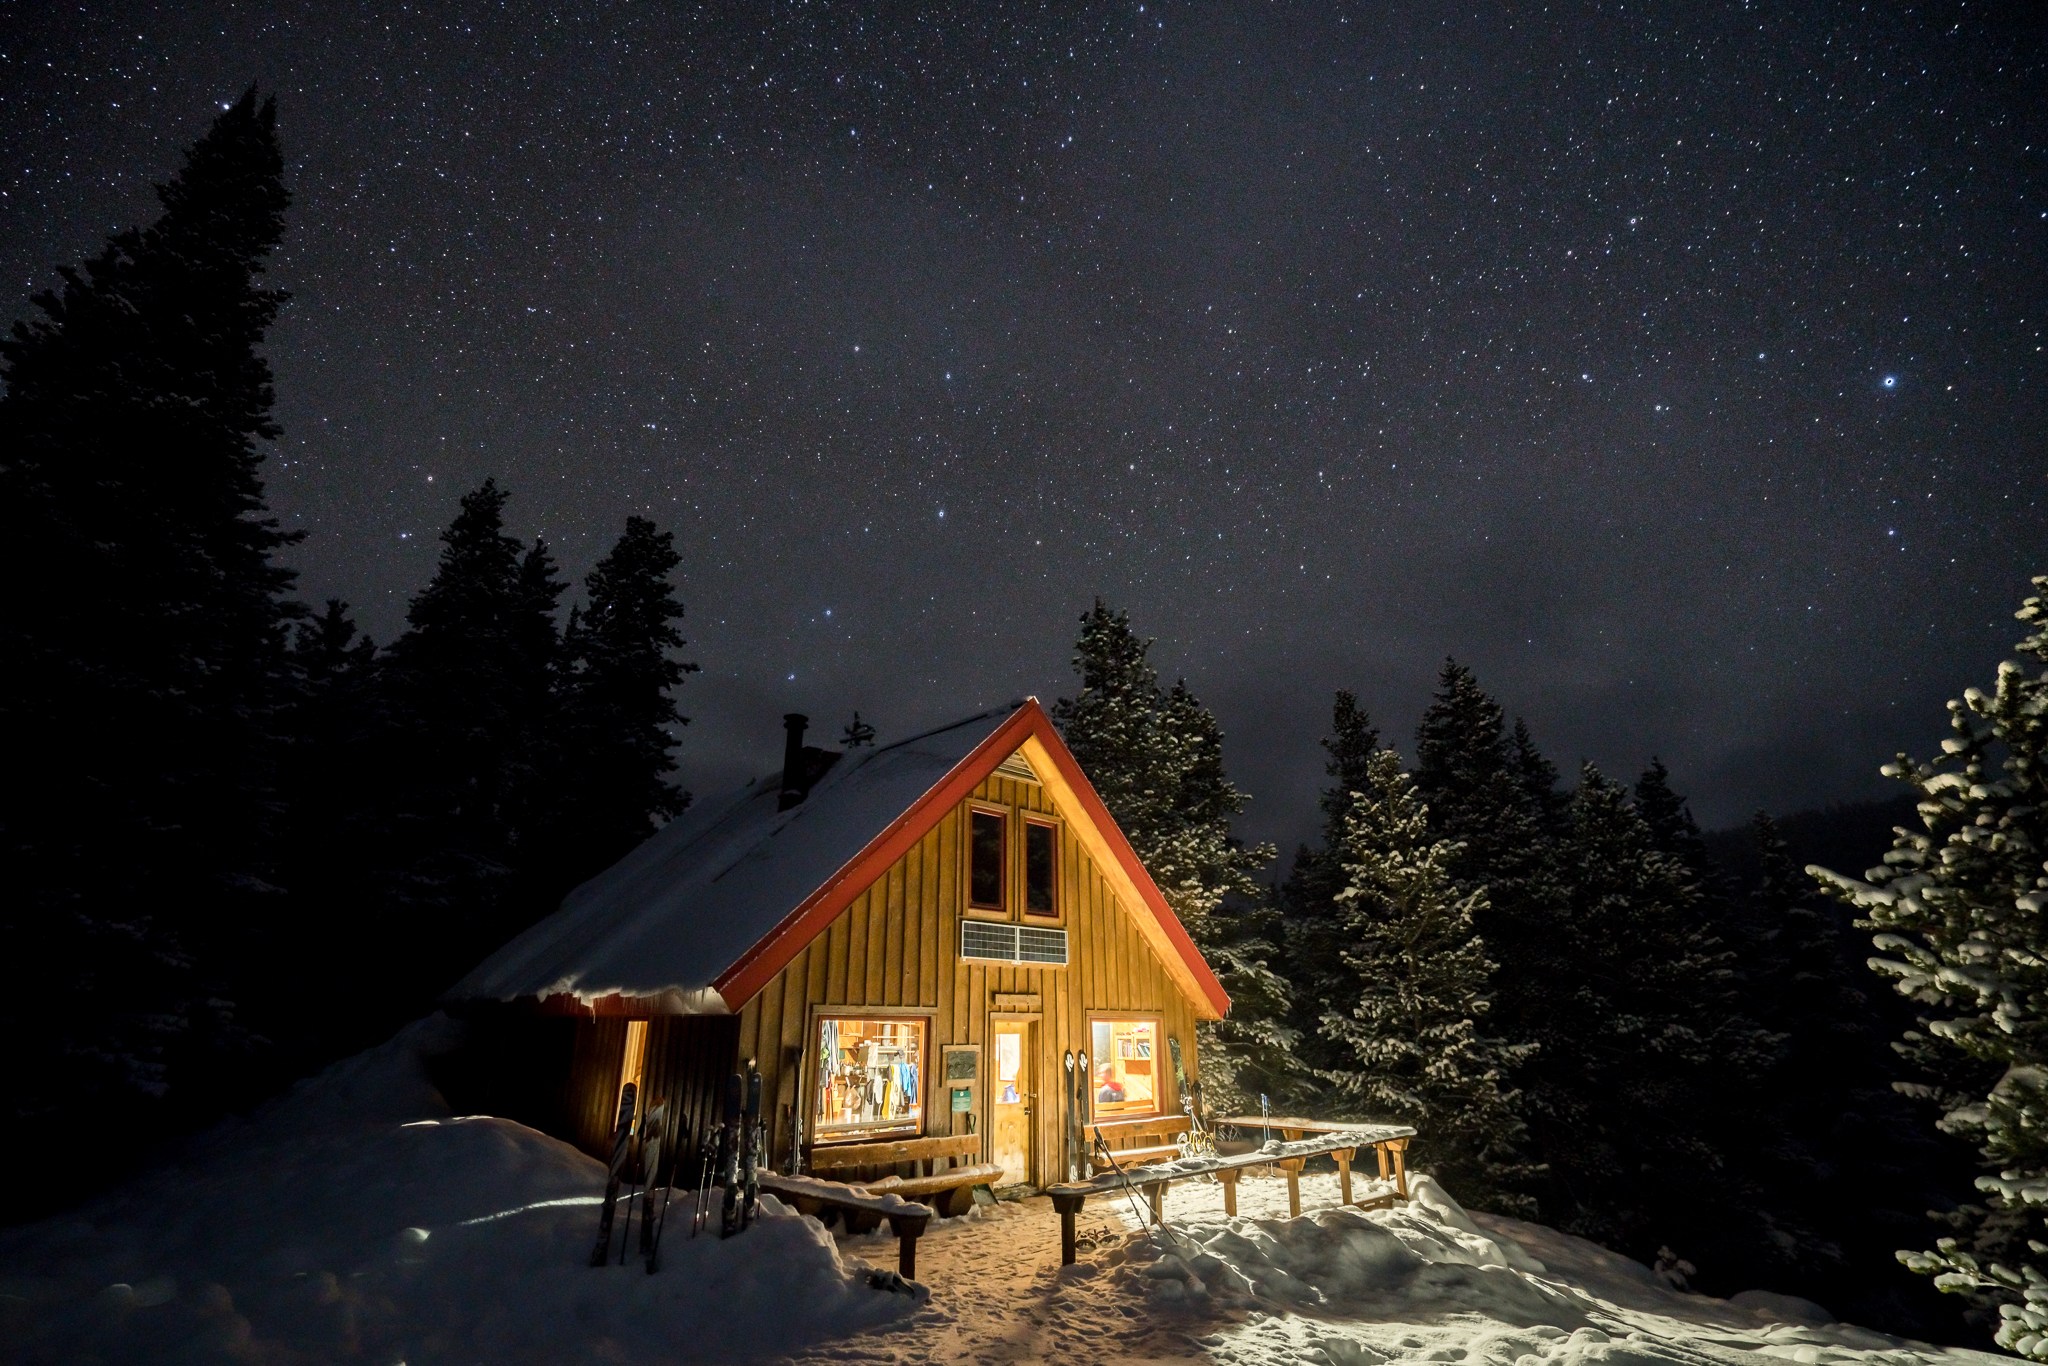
x,y
897,945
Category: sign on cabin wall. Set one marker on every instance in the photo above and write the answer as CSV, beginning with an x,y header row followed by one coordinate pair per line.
x,y
960,1070
1025,1001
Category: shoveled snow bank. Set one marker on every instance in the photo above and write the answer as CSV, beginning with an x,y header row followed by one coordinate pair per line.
x,y
356,1220
1428,1282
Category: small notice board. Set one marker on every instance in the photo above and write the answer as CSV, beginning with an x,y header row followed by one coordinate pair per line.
x,y
960,1074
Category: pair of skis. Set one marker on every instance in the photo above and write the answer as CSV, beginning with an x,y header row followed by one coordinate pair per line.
x,y
1077,1110
739,1150
653,1130
622,1142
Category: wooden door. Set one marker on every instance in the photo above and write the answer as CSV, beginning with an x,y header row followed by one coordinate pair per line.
x,y
1012,1098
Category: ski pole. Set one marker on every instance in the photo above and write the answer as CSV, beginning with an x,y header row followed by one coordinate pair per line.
x,y
1130,1192
661,1225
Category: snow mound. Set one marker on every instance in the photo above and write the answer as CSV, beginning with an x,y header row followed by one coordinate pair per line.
x,y
1428,1282
355,1219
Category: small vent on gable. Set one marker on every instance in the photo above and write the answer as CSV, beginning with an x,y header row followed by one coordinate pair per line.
x,y
1000,943
1016,767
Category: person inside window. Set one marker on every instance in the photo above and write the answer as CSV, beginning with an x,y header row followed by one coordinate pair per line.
x,y
1112,1089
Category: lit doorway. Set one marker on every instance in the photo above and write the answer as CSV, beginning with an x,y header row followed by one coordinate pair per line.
x,y
1013,1099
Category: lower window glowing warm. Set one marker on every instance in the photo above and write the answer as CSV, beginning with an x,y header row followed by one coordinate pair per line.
x,y
870,1078
1123,1055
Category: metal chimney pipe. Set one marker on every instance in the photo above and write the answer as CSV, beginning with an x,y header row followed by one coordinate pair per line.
x,y
794,789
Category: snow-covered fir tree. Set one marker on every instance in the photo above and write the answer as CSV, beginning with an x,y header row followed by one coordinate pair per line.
x,y
1406,1010
1314,921
1959,907
1156,759
1493,797
1672,827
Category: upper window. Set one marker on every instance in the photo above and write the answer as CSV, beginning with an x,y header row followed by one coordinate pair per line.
x,y
985,861
870,1078
1126,1067
1041,868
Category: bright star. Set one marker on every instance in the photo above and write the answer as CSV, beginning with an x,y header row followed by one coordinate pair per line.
x,y
1890,381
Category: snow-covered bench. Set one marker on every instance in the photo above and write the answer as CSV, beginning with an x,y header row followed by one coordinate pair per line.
x,y
941,1170
1069,1196
1392,1154
863,1208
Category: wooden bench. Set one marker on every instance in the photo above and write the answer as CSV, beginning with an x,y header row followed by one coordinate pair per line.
x,y
1138,1140
857,1206
940,1170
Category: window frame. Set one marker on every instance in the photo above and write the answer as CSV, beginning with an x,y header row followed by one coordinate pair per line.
x,y
914,1128
1039,820
978,909
1162,1056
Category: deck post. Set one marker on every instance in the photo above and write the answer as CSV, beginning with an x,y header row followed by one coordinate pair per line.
x,y
1343,1156
1228,1177
908,1228
1068,1203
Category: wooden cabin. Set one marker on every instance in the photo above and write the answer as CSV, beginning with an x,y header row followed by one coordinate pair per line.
x,y
909,940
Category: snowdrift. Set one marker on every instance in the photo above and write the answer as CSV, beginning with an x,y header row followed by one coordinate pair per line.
x,y
356,1219
1428,1282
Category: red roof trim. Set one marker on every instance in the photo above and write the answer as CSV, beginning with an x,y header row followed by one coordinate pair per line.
x,y
776,949
1127,858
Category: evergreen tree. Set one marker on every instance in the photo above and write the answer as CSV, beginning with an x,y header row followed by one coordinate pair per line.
x,y
144,665
1407,1021
1315,921
466,702
1958,906
1112,726
1536,780
617,716
1839,1157
1672,828
1637,1046
1493,797
1156,759
333,794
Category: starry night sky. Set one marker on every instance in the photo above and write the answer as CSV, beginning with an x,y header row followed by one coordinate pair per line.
x,y
1677,366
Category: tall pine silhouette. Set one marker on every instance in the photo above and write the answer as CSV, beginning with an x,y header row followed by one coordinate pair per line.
x,y
614,737
145,662
466,696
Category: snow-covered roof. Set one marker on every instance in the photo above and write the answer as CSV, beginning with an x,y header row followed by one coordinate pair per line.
x,y
668,919
706,912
